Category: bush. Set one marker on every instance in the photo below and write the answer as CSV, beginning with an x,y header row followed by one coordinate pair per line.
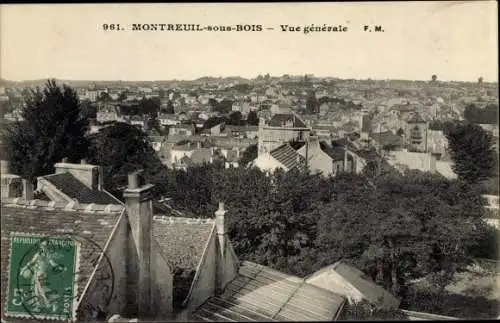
x,y
451,304
363,311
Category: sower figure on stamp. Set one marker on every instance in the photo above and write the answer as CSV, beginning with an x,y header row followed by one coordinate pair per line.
x,y
38,269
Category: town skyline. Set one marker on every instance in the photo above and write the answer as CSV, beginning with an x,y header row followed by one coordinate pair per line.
x,y
457,41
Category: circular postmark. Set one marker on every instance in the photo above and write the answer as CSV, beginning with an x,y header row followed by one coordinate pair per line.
x,y
51,273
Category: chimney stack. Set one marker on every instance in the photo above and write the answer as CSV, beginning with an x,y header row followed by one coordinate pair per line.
x,y
90,175
220,223
432,163
27,190
139,206
5,167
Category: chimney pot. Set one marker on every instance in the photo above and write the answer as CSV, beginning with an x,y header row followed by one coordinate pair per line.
x,y
221,207
134,180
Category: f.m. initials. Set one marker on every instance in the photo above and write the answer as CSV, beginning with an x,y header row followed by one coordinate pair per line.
x,y
373,28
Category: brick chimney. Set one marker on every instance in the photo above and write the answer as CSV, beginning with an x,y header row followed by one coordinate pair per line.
x,y
220,223
90,175
27,190
139,207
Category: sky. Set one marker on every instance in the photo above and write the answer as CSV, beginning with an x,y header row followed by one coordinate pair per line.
x,y
454,40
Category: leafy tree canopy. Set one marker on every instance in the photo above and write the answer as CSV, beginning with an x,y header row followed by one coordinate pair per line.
x,y
54,127
249,154
122,148
471,149
253,119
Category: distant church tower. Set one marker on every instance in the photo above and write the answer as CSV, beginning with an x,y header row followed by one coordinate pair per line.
x,y
416,134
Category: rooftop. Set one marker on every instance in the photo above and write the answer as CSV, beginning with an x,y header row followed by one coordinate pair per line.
x,y
72,187
387,138
280,119
260,293
42,218
182,240
336,153
287,156
371,292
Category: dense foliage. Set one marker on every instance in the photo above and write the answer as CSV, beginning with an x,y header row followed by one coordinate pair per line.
x,y
53,128
249,154
485,115
364,311
252,119
120,149
451,304
471,149
408,226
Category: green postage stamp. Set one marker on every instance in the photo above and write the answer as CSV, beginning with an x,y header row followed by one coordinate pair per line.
x,y
42,282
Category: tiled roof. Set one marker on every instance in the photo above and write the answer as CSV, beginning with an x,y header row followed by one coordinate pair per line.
x,y
288,157
336,153
387,138
95,222
371,291
201,155
182,240
415,118
279,119
260,293
72,187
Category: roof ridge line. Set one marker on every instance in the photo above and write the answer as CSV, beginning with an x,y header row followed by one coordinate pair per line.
x,y
63,206
186,220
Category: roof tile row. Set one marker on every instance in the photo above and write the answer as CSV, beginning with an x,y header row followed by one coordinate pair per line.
x,y
72,206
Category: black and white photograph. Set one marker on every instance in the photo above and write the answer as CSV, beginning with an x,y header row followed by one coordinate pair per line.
x,y
245,161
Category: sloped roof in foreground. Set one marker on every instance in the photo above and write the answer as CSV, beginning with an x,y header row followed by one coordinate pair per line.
x,y
50,219
260,293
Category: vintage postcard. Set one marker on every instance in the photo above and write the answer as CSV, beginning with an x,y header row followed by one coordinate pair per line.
x,y
235,162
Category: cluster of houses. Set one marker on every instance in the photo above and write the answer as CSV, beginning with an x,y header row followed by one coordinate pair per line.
x,y
158,264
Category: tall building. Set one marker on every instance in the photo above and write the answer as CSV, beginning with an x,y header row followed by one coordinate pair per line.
x,y
416,133
280,129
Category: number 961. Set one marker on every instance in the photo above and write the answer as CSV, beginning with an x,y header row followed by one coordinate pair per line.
x,y
111,27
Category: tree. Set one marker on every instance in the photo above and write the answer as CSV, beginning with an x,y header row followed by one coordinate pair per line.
x,y
213,103
120,149
88,109
434,78
224,106
122,97
104,97
364,311
170,108
213,121
253,119
249,154
235,118
54,127
149,106
471,149
312,104
400,132
480,80
409,227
